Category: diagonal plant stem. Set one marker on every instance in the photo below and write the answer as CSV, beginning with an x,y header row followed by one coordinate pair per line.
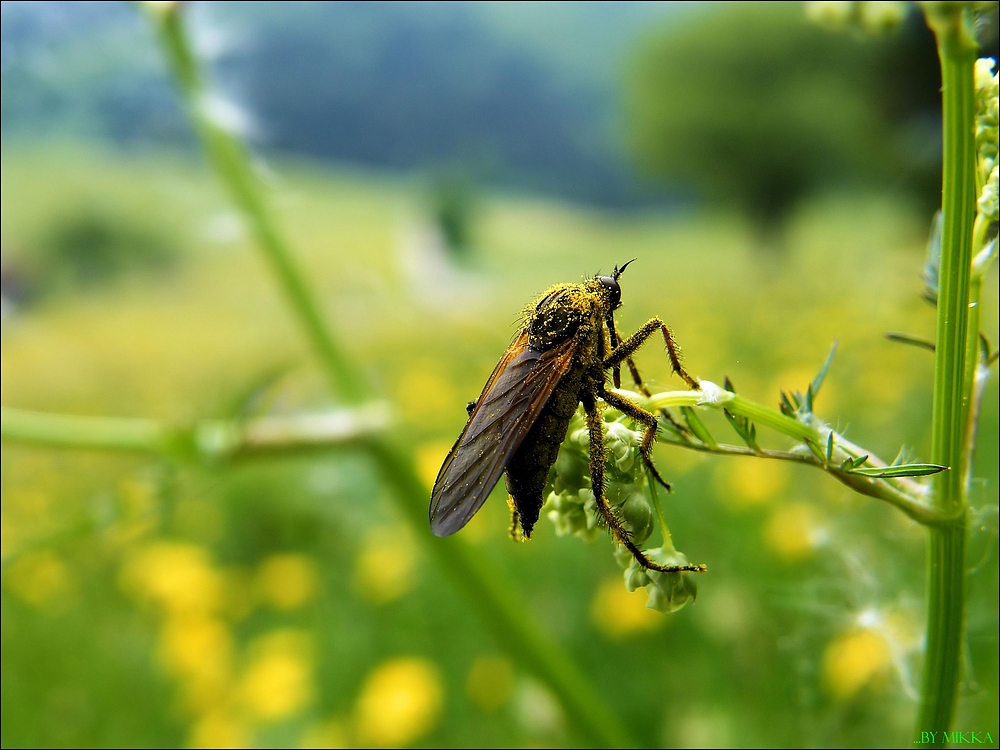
x,y
496,603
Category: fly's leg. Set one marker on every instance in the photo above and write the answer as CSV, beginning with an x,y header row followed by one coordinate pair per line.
x,y
632,409
640,386
628,347
595,427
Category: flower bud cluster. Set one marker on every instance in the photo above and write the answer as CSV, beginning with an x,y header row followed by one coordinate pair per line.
x,y
666,592
571,507
986,136
869,17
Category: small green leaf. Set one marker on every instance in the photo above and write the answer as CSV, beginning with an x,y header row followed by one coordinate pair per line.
x,y
809,400
786,406
744,428
817,381
906,338
847,465
829,448
859,462
665,425
814,448
698,427
905,470
729,385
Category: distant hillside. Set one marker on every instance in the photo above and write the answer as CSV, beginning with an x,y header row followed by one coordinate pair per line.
x,y
515,94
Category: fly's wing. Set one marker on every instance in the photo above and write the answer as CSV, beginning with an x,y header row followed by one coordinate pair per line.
x,y
510,403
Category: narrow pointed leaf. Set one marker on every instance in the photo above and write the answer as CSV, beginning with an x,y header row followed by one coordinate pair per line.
x,y
817,381
698,427
829,447
814,448
907,338
905,470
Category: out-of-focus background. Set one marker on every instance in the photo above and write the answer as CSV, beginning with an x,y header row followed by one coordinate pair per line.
x,y
435,166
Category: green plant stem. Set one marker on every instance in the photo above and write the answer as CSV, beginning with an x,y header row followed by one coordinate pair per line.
x,y
70,431
903,493
495,602
211,441
957,51
504,613
230,159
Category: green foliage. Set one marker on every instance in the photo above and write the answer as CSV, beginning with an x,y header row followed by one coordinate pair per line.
x,y
93,246
746,664
453,202
756,107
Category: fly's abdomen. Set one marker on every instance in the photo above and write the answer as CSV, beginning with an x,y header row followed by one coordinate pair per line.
x,y
529,467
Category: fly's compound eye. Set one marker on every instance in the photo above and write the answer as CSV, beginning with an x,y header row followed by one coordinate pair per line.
x,y
615,291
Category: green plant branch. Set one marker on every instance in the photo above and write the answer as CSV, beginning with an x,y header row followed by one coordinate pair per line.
x,y
209,441
909,496
498,606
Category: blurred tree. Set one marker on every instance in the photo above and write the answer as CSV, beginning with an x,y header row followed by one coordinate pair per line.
x,y
93,246
753,105
453,203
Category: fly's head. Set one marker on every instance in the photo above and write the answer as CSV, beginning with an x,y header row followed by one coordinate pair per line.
x,y
608,294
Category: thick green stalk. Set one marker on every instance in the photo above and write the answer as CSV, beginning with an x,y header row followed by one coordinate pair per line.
x,y
211,441
946,555
498,606
70,431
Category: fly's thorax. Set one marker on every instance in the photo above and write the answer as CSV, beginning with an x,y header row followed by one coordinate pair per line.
x,y
558,315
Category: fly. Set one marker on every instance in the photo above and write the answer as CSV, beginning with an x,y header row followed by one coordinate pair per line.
x,y
558,360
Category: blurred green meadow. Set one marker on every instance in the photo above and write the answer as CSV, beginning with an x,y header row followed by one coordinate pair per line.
x,y
433,168
283,601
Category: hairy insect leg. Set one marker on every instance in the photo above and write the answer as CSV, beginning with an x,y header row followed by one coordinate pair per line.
x,y
598,455
628,347
612,339
648,419
637,379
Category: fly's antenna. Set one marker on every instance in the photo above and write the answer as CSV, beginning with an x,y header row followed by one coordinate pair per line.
x,y
619,271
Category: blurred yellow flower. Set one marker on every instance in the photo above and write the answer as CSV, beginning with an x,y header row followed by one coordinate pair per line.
x,y
219,729
430,456
745,483
852,660
385,568
490,684
331,733
42,579
424,391
794,531
287,581
618,612
279,681
399,702
179,577
198,649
